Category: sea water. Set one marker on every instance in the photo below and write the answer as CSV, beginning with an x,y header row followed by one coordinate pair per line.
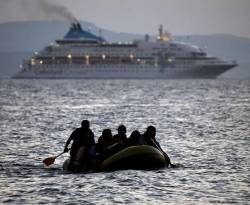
x,y
202,124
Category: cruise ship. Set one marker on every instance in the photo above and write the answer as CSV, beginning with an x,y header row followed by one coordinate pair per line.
x,y
82,54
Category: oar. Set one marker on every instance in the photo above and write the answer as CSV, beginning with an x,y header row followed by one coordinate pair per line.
x,y
50,160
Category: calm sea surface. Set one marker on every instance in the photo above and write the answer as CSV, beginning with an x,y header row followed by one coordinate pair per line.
x,y
204,126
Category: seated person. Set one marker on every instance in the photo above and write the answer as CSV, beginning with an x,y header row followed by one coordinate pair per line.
x,y
104,142
134,138
148,138
121,136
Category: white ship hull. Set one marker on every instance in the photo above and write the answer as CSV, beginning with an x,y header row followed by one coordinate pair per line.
x,y
83,72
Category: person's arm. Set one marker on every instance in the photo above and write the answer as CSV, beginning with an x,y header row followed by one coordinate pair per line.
x,y
157,145
68,142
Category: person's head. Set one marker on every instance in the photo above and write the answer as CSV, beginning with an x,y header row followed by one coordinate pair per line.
x,y
135,134
107,134
122,129
151,131
85,124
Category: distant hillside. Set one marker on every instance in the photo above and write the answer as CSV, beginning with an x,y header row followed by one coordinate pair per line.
x,y
18,40
34,35
10,62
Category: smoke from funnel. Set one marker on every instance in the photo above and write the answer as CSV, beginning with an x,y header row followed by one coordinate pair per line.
x,y
48,10
59,10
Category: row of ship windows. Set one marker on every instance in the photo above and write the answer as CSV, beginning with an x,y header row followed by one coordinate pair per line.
x,y
87,62
106,53
131,60
116,68
120,70
118,53
135,70
139,64
108,50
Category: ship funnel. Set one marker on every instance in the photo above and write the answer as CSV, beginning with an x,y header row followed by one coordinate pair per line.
x,y
76,32
75,27
78,25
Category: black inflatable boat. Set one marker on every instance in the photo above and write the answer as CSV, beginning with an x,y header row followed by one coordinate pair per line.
x,y
134,157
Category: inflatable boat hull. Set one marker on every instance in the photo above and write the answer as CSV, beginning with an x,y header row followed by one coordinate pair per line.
x,y
134,157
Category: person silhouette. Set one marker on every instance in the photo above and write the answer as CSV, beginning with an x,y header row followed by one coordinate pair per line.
x,y
83,140
149,138
121,136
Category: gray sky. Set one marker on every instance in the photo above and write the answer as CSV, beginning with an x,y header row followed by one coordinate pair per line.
x,y
181,17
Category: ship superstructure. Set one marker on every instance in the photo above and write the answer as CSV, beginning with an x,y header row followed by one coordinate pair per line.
x,y
82,54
